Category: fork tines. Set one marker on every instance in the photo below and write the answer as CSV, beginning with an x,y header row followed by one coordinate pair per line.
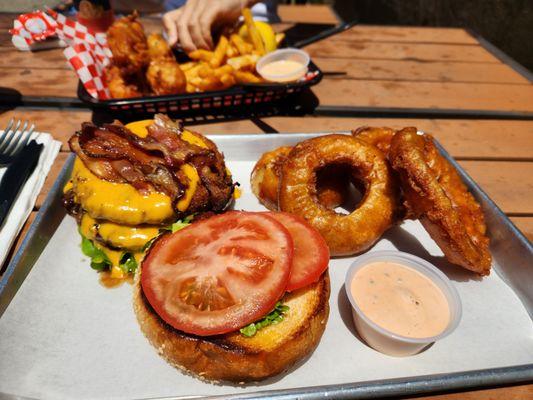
x,y
13,138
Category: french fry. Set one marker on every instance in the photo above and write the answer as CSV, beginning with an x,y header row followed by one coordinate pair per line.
x,y
187,66
243,62
249,47
224,70
246,77
192,73
201,55
220,52
231,51
205,71
195,81
240,44
227,80
210,83
252,31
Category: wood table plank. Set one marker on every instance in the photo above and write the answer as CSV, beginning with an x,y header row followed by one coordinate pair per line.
x,y
508,184
400,51
308,13
406,34
40,82
425,95
417,71
61,124
520,392
525,224
44,59
462,138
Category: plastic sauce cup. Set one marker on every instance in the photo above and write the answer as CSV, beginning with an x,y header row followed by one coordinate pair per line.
x,y
388,342
290,54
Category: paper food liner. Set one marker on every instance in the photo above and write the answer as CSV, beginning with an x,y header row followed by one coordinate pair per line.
x,y
87,52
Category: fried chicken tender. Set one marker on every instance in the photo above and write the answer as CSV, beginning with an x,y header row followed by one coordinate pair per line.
x,y
158,47
128,44
435,193
118,88
166,77
164,74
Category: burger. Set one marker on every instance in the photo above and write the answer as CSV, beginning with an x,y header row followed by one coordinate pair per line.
x,y
130,183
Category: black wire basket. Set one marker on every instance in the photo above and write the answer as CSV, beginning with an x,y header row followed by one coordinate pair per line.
x,y
241,97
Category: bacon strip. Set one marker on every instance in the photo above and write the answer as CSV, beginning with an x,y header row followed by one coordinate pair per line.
x,y
115,154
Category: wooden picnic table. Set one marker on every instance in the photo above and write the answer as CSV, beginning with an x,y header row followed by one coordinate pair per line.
x,y
441,80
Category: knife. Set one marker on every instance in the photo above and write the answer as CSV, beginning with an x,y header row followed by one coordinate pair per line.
x,y
16,175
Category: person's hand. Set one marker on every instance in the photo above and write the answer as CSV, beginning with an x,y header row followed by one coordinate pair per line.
x,y
191,25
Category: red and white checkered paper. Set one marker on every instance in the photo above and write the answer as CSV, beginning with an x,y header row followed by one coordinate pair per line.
x,y
87,52
33,27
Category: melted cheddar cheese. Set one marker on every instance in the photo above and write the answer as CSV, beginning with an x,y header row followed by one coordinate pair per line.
x,y
88,229
118,202
122,203
122,236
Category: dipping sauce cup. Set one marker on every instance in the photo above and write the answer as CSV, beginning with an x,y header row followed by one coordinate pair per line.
x,y
285,65
386,340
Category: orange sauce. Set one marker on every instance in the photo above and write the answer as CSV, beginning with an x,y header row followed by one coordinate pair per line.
x,y
282,70
400,299
107,281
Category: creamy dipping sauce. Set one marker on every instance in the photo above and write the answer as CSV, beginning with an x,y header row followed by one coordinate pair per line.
x,y
288,68
400,299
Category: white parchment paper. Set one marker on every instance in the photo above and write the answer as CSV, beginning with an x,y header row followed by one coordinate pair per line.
x,y
65,336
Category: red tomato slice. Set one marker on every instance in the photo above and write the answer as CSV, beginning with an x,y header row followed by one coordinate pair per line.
x,y
220,274
311,252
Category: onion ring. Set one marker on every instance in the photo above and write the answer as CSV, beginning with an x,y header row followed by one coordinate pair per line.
x,y
378,137
344,234
265,178
435,193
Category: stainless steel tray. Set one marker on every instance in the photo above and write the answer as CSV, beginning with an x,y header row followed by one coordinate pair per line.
x,y
508,245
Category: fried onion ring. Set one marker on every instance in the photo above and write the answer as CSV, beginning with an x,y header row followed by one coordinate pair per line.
x,y
344,234
435,193
378,137
266,175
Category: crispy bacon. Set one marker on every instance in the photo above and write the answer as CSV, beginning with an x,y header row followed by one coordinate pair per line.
x,y
113,153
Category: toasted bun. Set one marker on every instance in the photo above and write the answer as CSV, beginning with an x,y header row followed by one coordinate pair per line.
x,y
233,357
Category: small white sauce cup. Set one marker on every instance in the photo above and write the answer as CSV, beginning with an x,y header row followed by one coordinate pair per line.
x,y
388,342
299,56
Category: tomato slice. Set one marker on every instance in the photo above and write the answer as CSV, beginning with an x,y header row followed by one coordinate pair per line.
x,y
220,274
311,252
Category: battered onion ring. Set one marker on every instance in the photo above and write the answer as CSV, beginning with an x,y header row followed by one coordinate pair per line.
x,y
435,193
345,234
378,137
266,176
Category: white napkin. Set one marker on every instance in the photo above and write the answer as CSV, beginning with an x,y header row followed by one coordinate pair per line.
x,y
23,206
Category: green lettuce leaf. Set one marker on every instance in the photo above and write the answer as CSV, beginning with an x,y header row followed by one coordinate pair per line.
x,y
128,263
272,318
180,224
176,226
99,261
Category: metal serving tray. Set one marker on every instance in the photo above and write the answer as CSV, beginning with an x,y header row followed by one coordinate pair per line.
x,y
512,253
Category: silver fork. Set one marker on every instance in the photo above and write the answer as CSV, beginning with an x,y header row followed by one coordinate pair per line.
x,y
13,140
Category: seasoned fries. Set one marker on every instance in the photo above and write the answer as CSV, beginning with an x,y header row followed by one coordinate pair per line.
x,y
231,62
252,31
201,55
